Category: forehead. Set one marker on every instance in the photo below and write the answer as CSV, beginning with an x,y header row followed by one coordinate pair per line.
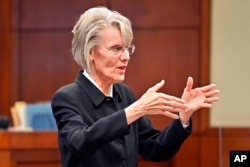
x,y
111,35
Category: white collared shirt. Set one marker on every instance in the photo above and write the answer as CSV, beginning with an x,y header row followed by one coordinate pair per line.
x,y
92,80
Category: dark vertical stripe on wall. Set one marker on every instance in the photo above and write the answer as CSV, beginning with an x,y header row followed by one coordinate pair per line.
x,y
5,57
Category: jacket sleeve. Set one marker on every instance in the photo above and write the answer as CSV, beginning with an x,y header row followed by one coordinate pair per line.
x,y
158,145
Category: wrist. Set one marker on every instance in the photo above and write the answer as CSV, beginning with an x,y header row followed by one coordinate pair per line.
x,y
184,118
185,125
133,113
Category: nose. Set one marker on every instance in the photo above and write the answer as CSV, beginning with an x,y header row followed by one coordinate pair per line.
x,y
125,55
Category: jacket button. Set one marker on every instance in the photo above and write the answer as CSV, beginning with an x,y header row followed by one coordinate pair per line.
x,y
108,98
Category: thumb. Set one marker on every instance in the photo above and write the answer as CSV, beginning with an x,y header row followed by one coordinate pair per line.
x,y
189,85
157,86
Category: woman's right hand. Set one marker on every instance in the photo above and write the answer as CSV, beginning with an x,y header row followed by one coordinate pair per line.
x,y
153,102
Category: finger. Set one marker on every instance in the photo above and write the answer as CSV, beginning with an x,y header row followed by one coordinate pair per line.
x,y
169,114
175,106
157,86
206,105
189,85
208,87
212,99
212,93
177,109
171,98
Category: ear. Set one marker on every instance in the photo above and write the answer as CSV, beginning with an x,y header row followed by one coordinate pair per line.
x,y
91,54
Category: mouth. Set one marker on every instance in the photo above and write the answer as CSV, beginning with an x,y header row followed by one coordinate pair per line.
x,y
122,68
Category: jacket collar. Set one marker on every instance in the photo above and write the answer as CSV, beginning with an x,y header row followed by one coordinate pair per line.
x,y
96,96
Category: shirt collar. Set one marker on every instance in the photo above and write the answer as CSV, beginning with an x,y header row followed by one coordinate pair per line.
x,y
94,83
96,96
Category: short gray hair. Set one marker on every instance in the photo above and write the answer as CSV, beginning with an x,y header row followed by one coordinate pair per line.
x,y
89,25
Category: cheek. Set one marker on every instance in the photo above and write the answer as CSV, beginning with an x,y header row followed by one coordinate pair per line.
x,y
109,62
106,64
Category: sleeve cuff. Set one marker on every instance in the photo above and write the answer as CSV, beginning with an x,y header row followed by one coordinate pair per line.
x,y
185,125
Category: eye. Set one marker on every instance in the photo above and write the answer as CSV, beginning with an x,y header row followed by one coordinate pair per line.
x,y
116,48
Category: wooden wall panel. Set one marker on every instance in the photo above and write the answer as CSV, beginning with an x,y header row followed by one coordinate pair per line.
x,y
46,63
144,163
171,55
217,143
5,158
5,42
160,13
33,149
40,155
189,153
47,14
41,59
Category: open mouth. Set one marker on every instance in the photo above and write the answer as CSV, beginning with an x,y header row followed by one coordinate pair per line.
x,y
122,68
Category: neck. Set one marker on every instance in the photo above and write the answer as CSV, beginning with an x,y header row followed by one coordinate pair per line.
x,y
103,85
105,88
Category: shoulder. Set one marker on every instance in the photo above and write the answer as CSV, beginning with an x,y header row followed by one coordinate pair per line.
x,y
68,88
68,91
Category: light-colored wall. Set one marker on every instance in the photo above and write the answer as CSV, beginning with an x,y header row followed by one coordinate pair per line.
x,y
230,62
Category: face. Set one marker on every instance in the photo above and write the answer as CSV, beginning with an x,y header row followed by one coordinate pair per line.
x,y
109,59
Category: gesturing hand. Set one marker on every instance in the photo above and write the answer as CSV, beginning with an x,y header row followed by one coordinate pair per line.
x,y
197,98
153,102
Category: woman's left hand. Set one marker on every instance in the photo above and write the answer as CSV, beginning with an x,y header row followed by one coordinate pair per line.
x,y
197,98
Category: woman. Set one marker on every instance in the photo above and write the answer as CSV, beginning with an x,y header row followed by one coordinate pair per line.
x,y
99,120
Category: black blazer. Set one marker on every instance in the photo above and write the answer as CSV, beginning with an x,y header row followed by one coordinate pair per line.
x,y
93,130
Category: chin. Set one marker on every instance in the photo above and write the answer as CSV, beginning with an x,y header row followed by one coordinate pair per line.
x,y
119,78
